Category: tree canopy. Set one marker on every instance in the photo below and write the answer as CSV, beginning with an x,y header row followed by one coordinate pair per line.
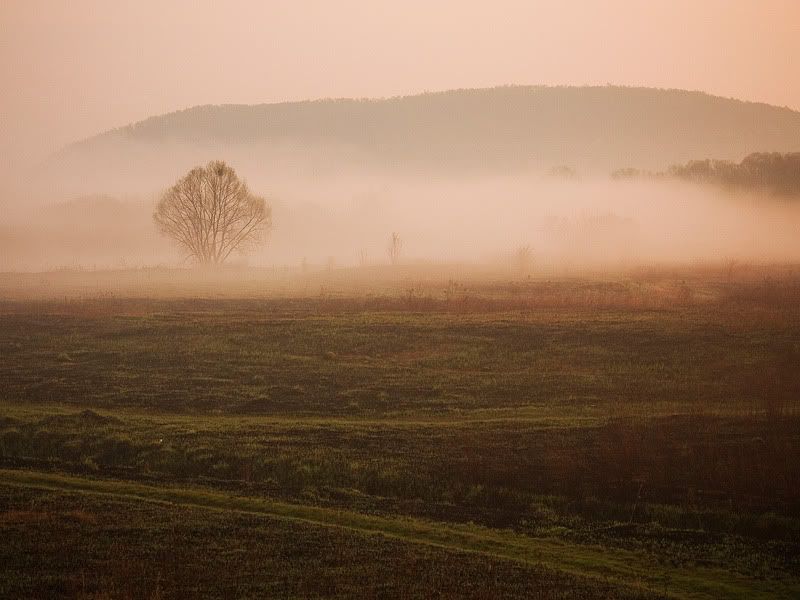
x,y
211,213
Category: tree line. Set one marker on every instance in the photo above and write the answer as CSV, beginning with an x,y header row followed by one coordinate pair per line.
x,y
774,172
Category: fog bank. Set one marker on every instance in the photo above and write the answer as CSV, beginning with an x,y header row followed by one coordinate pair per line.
x,y
526,221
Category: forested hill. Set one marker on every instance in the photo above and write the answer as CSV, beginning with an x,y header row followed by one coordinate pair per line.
x,y
499,129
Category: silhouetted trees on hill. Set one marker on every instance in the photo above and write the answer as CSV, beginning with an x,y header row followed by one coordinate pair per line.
x,y
779,173
774,172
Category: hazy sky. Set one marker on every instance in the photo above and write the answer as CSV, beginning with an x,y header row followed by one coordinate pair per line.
x,y
74,68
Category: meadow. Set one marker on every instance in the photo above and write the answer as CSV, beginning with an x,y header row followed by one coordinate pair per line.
x,y
635,435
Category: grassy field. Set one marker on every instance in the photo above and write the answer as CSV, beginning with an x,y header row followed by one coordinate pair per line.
x,y
572,439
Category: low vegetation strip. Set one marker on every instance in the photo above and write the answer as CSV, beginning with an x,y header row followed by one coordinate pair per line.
x,y
625,568
82,545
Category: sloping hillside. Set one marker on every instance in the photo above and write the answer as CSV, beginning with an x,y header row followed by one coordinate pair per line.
x,y
500,128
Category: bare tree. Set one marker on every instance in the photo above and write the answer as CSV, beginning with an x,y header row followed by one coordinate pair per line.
x,y
211,213
395,247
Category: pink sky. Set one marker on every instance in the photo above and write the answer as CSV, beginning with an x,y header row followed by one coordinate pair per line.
x,y
73,69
